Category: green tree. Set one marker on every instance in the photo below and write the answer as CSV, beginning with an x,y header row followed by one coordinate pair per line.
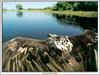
x,y
19,7
83,6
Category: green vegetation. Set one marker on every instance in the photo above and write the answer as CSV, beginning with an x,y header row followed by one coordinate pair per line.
x,y
66,12
83,9
19,7
76,6
76,13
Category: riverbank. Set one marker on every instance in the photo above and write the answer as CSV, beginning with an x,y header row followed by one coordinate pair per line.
x,y
66,12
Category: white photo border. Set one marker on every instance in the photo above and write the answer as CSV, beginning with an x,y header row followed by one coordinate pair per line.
x,y
47,73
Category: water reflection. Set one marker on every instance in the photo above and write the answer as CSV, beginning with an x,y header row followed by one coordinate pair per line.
x,y
19,13
84,22
39,24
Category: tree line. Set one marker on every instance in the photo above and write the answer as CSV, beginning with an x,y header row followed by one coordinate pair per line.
x,y
65,5
82,6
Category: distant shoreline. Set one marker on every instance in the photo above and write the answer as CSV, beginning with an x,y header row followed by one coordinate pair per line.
x,y
66,12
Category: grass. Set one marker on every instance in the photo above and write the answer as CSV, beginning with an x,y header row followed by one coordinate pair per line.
x,y
78,13
66,12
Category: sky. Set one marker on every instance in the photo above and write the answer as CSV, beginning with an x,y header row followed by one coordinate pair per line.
x,y
12,5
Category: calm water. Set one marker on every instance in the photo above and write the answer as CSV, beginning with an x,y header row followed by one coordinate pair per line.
x,y
38,24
